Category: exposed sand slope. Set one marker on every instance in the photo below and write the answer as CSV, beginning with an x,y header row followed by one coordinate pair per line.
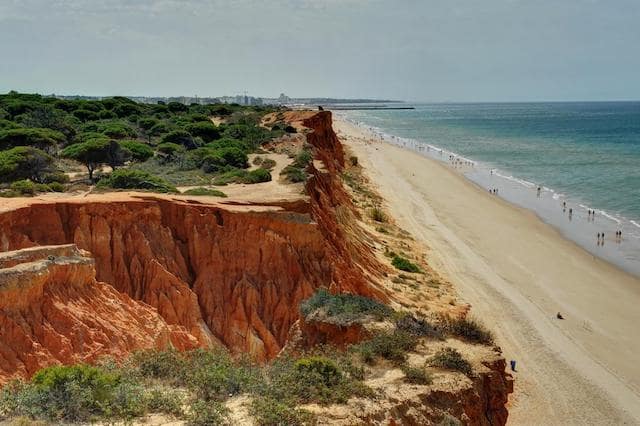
x,y
517,272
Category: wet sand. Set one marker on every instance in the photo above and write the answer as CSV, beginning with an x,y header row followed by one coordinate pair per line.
x,y
517,272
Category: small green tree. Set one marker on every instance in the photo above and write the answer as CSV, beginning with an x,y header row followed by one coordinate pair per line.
x,y
25,162
95,152
136,151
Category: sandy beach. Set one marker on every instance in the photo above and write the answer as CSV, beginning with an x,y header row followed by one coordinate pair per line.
x,y
517,273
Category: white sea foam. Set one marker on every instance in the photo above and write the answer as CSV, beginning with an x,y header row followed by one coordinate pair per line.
x,y
634,223
608,216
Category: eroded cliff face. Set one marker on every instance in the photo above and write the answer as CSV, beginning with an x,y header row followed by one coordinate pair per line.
x,y
53,310
90,277
225,275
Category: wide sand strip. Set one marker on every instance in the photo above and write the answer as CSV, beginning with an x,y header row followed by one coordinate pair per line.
x,y
517,273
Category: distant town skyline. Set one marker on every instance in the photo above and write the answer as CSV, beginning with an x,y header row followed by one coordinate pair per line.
x,y
495,50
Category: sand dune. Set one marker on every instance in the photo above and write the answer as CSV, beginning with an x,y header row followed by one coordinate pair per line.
x,y
517,272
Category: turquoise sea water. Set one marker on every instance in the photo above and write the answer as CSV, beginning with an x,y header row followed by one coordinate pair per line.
x,y
584,154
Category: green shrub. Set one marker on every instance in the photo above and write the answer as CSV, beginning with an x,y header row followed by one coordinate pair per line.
x,y
268,164
388,345
136,151
204,192
312,380
214,375
469,330
24,187
416,375
71,393
378,215
344,307
43,139
136,179
404,264
268,411
257,176
324,368
24,162
204,129
418,327
207,413
165,400
353,160
167,365
294,174
451,359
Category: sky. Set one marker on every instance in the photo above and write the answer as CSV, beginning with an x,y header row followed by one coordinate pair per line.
x,y
414,50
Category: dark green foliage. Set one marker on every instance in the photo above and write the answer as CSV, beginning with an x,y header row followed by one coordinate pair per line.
x,y
353,160
25,162
325,369
85,115
204,129
204,192
126,109
147,122
296,171
268,411
177,107
94,152
378,215
107,115
416,375
170,149
116,130
165,400
181,137
136,179
168,365
44,139
24,187
469,330
136,151
207,413
257,176
418,327
214,375
344,307
404,264
45,116
389,345
451,359
214,160
6,125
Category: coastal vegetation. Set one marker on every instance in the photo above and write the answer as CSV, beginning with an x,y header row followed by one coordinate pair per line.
x,y
44,140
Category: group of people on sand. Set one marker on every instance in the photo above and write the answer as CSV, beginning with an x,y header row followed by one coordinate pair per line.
x,y
494,191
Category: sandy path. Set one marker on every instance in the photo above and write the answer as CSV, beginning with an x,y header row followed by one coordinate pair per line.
x,y
517,272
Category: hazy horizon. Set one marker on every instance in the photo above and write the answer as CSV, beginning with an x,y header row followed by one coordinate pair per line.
x,y
455,51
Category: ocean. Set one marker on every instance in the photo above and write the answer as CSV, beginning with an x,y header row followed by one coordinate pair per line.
x,y
584,154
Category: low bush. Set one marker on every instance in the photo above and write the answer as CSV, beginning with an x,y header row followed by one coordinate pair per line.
x,y
257,176
451,359
469,330
344,307
268,411
135,179
378,215
313,379
404,264
204,192
24,187
294,174
165,400
353,160
167,365
207,413
416,375
268,164
392,346
418,327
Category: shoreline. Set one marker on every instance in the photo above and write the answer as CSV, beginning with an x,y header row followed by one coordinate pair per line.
x,y
517,272
579,228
